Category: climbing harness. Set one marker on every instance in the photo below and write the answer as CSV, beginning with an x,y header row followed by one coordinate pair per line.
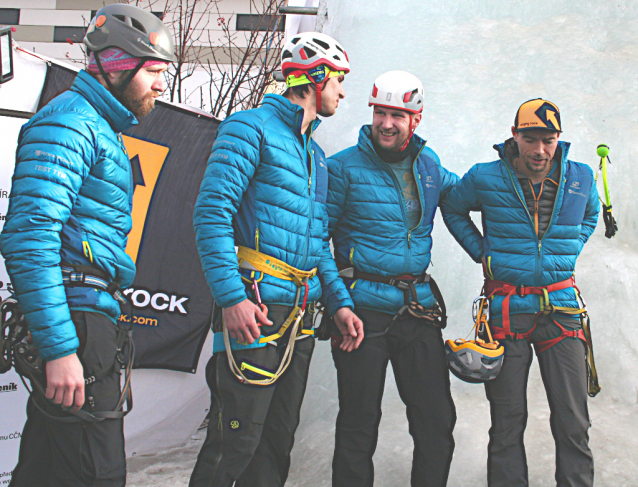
x,y
500,288
477,360
436,316
611,227
257,262
17,350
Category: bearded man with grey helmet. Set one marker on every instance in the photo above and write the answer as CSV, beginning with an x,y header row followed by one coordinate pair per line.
x,y
382,199
64,243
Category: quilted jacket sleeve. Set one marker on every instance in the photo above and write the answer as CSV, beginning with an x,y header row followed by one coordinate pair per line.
x,y
448,181
231,166
456,207
337,192
335,294
54,156
591,214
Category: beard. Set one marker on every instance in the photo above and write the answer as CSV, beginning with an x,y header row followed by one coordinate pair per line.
x,y
139,103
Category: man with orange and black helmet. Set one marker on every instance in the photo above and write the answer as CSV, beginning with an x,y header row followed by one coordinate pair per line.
x,y
64,243
538,210
264,192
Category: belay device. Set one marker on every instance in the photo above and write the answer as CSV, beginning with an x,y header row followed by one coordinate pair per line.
x,y
610,222
478,360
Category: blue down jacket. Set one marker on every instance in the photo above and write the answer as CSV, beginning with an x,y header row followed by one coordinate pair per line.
x,y
265,188
70,202
369,222
509,242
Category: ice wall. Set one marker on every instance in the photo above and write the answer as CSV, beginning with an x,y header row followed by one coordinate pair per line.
x,y
479,60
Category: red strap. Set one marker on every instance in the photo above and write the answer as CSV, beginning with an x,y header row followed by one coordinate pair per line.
x,y
547,344
502,288
499,333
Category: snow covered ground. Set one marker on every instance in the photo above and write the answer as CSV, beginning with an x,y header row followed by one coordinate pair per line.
x,y
479,60
614,439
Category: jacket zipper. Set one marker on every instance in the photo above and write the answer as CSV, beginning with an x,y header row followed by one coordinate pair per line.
x,y
309,153
408,236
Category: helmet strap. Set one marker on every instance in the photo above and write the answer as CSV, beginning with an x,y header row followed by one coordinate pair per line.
x,y
412,129
131,74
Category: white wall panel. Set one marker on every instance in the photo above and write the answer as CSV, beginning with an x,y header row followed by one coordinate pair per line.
x,y
78,18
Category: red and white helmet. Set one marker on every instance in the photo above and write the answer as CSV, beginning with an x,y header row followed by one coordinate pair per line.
x,y
397,89
313,58
311,49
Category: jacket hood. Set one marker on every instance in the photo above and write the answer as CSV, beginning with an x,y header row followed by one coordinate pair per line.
x,y
116,114
291,113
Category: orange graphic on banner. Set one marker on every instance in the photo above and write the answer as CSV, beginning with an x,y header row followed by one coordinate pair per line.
x,y
147,159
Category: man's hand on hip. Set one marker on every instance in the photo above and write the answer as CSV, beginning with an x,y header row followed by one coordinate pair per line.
x,y
242,320
351,327
65,382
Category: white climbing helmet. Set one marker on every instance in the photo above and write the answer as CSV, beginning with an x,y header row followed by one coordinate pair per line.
x,y
397,89
311,49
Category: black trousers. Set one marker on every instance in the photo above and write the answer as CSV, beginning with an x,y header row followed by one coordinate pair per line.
x,y
57,454
564,375
417,354
252,428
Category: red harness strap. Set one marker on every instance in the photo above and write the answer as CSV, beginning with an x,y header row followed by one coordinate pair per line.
x,y
501,288
565,333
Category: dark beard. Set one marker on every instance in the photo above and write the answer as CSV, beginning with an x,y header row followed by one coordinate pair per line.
x,y
139,104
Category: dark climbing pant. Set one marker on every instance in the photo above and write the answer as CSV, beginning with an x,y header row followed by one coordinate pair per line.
x,y
251,429
565,379
57,454
418,360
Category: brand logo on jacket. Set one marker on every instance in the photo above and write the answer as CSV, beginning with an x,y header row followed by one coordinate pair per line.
x,y
575,185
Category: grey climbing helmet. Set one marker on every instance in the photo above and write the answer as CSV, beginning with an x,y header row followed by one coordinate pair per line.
x,y
132,29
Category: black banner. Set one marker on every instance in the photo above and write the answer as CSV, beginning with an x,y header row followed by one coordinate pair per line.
x,y
169,303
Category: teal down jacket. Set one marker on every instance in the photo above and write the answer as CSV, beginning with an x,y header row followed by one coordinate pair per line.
x,y
509,241
265,188
70,202
369,222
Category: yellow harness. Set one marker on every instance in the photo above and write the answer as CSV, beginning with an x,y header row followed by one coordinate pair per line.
x,y
256,261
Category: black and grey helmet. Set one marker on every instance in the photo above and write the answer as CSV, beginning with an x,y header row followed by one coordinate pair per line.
x,y
132,29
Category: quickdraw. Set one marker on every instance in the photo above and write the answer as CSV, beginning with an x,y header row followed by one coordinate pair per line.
x,y
611,227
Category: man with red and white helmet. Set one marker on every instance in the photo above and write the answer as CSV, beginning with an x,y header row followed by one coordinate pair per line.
x,y
264,192
382,199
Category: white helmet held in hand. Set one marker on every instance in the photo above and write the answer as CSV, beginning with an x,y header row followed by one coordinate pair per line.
x,y
399,90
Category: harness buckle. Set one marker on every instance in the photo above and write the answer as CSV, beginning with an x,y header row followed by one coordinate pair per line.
x,y
520,291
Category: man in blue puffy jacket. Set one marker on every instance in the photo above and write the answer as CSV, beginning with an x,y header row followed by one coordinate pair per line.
x,y
538,210
264,192
382,199
64,243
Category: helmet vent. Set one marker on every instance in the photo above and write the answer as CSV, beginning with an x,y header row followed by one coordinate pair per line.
x,y
309,52
339,47
287,54
121,18
336,57
138,25
295,40
323,44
